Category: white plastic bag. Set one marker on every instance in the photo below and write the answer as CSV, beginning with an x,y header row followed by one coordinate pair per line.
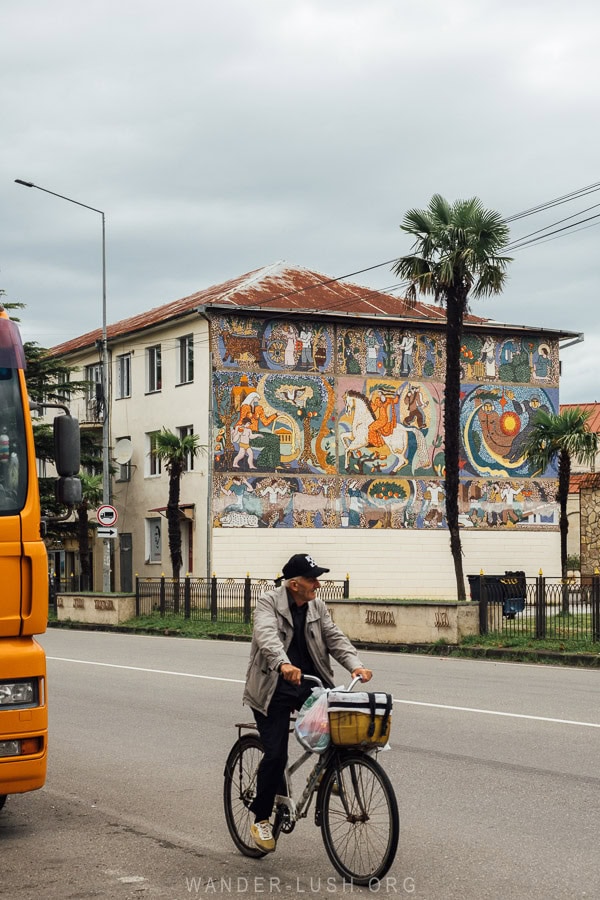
x,y
312,724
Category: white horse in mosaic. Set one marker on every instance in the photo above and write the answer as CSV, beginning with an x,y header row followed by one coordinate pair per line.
x,y
361,415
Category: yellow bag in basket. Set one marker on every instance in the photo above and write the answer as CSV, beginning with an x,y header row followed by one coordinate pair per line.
x,y
359,719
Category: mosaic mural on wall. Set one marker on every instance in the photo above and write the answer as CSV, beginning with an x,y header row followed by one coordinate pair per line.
x,y
253,501
275,344
387,425
342,427
496,422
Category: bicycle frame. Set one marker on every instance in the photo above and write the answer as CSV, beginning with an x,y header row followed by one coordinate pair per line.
x,y
299,810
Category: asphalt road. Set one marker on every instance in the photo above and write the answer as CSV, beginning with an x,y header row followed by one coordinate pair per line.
x,y
495,767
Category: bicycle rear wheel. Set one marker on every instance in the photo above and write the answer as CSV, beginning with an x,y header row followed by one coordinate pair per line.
x,y
359,818
239,790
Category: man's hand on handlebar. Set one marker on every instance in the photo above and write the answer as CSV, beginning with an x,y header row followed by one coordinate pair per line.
x,y
363,674
294,675
290,673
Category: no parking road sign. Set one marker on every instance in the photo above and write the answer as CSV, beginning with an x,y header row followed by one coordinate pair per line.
x,y
107,515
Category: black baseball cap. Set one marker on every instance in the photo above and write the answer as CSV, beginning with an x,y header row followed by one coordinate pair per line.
x,y
301,565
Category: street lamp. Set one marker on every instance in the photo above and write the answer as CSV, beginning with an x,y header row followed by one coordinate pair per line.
x,y
105,380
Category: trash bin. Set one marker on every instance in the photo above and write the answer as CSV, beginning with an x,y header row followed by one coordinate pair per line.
x,y
494,589
515,593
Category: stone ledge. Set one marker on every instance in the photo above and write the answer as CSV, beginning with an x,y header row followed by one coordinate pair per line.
x,y
95,609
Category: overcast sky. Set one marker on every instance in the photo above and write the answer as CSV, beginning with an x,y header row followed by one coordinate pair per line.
x,y
222,136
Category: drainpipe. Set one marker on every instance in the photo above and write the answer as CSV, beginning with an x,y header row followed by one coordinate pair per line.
x,y
201,310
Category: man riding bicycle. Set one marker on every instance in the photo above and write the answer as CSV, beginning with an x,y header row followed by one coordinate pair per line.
x,y
293,635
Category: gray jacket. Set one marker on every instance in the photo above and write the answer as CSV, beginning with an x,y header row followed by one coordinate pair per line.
x,y
272,635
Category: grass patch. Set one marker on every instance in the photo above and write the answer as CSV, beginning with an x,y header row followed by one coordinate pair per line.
x,y
177,625
525,642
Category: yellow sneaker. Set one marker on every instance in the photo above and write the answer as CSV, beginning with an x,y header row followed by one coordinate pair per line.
x,y
262,835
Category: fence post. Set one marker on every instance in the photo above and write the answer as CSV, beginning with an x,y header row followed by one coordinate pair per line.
x,y
187,597
247,599
596,607
540,606
213,599
346,587
483,605
137,595
162,602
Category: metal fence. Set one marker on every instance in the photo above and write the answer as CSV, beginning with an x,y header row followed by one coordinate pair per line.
x,y
538,607
214,599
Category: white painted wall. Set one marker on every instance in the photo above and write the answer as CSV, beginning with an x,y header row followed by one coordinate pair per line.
x,y
386,563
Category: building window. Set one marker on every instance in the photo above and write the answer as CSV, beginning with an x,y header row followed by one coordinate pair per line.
x,y
62,390
153,369
123,472
186,359
123,376
154,540
94,395
154,466
188,463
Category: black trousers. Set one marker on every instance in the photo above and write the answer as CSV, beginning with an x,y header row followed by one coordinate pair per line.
x,y
274,733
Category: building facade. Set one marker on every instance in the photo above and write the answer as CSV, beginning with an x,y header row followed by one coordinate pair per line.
x,y
320,408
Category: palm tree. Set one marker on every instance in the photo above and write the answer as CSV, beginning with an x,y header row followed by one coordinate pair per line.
x,y
91,489
561,437
174,452
455,255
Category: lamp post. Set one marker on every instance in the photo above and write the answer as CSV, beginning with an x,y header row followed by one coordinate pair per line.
x,y
105,379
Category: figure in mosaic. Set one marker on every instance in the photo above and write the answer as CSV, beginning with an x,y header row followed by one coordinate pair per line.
x,y
289,353
488,356
242,435
407,346
266,442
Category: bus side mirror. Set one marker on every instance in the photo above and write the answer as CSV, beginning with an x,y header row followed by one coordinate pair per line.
x,y
67,449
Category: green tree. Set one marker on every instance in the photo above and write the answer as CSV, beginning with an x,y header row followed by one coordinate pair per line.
x,y
559,438
174,451
455,256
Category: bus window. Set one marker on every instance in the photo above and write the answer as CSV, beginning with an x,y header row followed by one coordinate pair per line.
x,y
13,448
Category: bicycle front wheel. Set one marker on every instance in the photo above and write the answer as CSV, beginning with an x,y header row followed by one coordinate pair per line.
x,y
359,818
239,791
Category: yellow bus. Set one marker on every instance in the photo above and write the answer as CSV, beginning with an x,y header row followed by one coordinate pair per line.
x,y
24,571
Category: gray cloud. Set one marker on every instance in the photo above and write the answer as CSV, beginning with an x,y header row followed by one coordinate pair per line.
x,y
222,137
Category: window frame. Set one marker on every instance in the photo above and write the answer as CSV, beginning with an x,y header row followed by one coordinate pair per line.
x,y
184,431
154,468
153,369
186,359
153,552
123,472
123,376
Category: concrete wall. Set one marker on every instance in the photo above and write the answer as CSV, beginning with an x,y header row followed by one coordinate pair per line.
x,y
99,609
413,623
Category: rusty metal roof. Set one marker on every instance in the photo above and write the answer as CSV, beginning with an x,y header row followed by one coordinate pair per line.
x,y
583,480
592,408
277,287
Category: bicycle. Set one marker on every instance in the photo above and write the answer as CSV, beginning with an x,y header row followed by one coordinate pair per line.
x,y
355,806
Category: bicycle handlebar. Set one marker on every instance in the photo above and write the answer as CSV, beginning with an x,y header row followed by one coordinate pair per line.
x,y
320,683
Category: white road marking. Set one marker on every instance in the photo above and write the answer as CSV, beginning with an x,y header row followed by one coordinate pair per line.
x,y
467,709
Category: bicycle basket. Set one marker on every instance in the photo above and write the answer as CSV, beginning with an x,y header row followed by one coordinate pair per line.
x,y
359,718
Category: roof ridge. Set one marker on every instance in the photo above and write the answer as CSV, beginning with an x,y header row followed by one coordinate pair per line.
x,y
253,277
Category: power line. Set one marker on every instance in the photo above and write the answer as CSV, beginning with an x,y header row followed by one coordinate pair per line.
x,y
581,192
546,227
518,244
534,240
